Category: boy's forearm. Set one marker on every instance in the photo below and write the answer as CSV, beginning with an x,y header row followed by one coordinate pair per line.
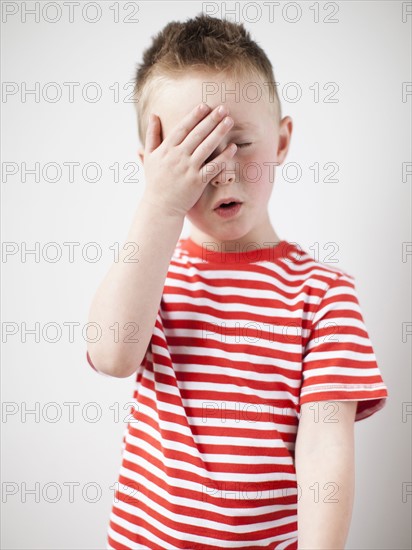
x,y
131,292
323,478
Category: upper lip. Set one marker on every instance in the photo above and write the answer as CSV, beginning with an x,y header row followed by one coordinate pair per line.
x,y
222,201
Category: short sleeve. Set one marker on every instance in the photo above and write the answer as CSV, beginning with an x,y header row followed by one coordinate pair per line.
x,y
338,362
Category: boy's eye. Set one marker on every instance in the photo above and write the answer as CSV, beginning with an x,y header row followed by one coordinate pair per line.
x,y
243,144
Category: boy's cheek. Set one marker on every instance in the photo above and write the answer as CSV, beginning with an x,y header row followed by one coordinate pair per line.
x,y
255,169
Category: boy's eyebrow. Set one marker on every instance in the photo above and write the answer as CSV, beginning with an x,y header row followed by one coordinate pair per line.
x,y
242,125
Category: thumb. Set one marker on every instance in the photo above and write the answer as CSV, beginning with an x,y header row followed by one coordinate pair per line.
x,y
153,139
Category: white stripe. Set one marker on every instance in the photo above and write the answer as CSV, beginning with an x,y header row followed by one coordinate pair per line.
x,y
343,388
237,325
347,354
336,370
254,292
244,374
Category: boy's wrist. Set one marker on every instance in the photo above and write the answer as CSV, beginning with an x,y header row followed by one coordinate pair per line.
x,y
160,211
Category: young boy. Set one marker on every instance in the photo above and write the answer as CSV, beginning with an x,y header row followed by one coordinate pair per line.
x,y
253,360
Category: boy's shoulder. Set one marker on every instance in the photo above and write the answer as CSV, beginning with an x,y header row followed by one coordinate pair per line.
x,y
288,259
318,263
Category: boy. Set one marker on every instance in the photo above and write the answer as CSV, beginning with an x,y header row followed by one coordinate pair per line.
x,y
252,359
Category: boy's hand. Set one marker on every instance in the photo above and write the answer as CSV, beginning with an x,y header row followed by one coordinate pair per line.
x,y
175,169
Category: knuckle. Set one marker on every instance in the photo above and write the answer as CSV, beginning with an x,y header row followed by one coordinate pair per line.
x,y
183,128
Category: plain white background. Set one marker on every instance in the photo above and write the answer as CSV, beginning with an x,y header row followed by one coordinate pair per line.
x,y
366,214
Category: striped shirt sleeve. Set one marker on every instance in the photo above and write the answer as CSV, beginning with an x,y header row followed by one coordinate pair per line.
x,y
339,362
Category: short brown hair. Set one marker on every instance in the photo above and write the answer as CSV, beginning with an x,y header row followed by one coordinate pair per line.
x,y
201,43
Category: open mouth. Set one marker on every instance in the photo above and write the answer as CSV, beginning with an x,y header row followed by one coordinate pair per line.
x,y
228,204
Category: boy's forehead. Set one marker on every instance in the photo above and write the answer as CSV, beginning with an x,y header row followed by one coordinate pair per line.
x,y
215,89
179,96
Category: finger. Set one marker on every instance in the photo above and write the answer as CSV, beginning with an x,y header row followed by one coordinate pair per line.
x,y
202,131
153,131
205,149
213,168
190,121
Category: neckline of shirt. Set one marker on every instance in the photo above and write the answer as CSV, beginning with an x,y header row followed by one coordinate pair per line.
x,y
252,253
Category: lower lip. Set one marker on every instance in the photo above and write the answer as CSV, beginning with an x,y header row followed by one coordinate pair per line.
x,y
229,211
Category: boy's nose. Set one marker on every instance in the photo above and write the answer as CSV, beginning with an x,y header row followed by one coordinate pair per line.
x,y
224,177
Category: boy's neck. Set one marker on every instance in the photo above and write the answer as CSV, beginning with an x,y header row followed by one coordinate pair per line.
x,y
263,237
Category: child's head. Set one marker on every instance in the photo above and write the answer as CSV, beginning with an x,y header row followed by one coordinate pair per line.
x,y
205,44
215,61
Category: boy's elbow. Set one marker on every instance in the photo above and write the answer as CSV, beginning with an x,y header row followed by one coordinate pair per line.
x,y
111,367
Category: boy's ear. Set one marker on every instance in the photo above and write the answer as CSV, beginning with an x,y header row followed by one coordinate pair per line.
x,y
285,135
140,152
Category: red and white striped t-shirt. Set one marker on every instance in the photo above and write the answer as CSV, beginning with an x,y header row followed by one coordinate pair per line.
x,y
241,340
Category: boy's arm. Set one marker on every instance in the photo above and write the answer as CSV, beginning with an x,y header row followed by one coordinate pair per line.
x,y
129,296
325,471
126,304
